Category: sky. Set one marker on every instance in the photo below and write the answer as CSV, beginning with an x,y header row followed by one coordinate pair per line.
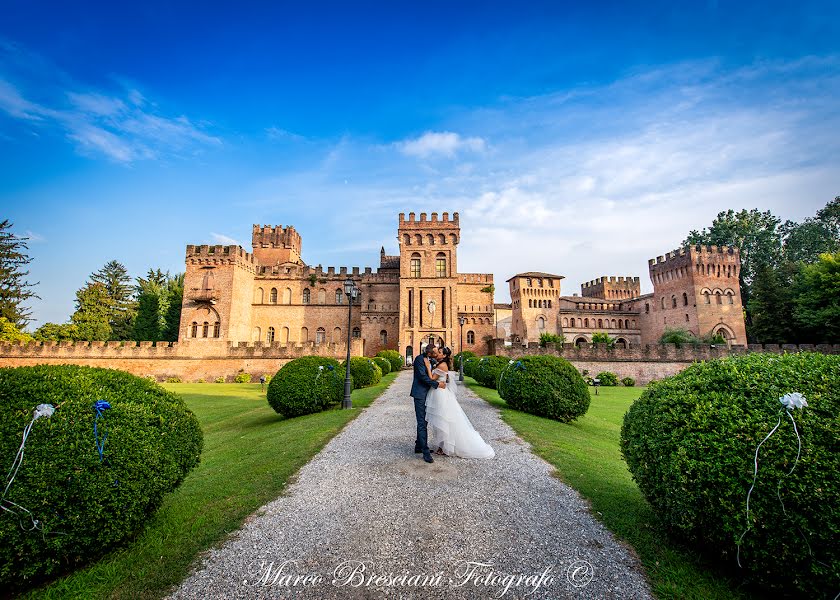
x,y
578,138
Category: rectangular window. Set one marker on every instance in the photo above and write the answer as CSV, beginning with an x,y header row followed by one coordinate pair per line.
x,y
410,308
440,267
415,267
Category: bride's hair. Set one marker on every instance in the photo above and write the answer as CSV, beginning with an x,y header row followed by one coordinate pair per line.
x,y
447,357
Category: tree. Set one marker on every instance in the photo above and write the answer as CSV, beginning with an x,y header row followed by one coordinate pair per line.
x,y
817,300
15,290
602,337
56,332
10,333
175,291
152,299
114,277
771,304
93,311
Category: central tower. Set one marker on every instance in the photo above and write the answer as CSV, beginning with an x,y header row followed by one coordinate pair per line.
x,y
428,280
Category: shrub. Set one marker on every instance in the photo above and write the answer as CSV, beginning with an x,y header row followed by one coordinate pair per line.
x,y
85,504
174,379
601,337
393,357
300,387
456,361
383,364
690,441
364,371
470,364
607,378
202,380
550,338
242,378
488,369
268,377
683,337
628,381
548,386
219,379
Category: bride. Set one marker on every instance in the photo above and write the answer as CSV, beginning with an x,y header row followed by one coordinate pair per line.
x,y
451,428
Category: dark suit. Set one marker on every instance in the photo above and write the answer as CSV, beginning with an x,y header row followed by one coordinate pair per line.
x,y
419,389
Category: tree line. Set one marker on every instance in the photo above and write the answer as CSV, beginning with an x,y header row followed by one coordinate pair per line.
x,y
109,306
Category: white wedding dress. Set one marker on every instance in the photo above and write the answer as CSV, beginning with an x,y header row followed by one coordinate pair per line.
x,y
451,429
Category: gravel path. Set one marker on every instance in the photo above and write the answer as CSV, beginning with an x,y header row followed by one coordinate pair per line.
x,y
367,518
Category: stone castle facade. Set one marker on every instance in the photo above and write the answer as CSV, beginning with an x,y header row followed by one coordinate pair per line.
x,y
271,297
694,288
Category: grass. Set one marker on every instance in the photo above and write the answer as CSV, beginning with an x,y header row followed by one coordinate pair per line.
x,y
250,453
587,457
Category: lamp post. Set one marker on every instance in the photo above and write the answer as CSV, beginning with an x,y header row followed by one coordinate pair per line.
x,y
349,291
461,322
596,382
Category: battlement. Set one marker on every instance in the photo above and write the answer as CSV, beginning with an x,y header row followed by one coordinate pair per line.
x,y
601,280
424,222
277,236
696,253
611,287
475,278
227,254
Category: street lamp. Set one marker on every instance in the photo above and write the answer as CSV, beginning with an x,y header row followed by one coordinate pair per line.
x,y
461,320
350,291
596,382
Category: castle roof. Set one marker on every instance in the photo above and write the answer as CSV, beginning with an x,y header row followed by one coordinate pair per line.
x,y
503,306
538,274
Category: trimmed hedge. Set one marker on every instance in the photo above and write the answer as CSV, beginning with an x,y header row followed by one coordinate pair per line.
x,y
456,360
363,370
85,505
548,386
301,388
393,357
383,364
470,364
690,442
607,378
488,369
628,382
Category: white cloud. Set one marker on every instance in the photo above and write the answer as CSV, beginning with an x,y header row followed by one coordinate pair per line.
x,y
33,237
219,238
443,143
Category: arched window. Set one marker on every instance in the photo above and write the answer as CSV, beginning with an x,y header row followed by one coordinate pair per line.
x,y
613,323
415,265
205,330
383,338
572,322
718,297
287,296
730,296
320,335
663,302
586,322
430,239
304,334
357,333
217,329
322,296
685,299
565,322
540,323
707,297
269,335
673,302
647,307
258,296
406,239
471,337
441,239
530,303
440,265
273,296
600,323
257,334
686,318
580,341
530,284
306,296
194,329
339,295
336,335
284,336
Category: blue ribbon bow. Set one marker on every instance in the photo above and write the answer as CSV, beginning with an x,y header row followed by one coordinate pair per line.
x,y
100,406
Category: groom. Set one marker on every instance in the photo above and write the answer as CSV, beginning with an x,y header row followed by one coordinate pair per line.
x,y
419,388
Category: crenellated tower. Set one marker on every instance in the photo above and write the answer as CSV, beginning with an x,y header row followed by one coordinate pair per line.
x,y
612,288
276,245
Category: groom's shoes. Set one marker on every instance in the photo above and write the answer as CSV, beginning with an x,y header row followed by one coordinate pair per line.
x,y
418,450
428,458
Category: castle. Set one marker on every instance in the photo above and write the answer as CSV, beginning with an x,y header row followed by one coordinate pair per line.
x,y
271,297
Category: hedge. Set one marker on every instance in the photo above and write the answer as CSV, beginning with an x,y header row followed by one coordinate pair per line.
x,y
85,503
393,357
466,354
363,370
607,378
488,369
383,364
306,385
628,382
690,442
548,386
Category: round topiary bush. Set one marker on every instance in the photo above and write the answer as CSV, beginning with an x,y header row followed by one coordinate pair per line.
x,y
306,385
628,382
607,378
89,482
690,442
393,357
456,360
488,369
364,371
383,364
548,386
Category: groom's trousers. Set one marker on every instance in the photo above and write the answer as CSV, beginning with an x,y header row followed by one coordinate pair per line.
x,y
422,441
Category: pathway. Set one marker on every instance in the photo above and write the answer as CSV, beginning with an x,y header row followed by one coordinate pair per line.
x,y
367,518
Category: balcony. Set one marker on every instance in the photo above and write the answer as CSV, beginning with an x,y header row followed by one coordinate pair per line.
x,y
204,295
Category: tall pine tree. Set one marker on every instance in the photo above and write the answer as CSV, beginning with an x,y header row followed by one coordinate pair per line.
x,y
15,290
114,277
152,304
93,312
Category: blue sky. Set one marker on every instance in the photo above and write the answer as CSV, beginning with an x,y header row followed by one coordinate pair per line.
x,y
578,138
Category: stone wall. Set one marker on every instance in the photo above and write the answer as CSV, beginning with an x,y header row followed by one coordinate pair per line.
x,y
647,362
191,361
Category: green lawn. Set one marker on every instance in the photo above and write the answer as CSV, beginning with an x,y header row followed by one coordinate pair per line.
x,y
249,455
587,457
